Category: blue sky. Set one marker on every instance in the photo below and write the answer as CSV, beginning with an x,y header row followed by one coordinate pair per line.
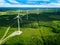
x,y
29,3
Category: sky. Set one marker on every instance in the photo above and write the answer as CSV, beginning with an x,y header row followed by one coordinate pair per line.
x,y
30,3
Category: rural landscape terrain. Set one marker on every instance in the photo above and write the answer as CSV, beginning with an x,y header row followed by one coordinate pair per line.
x,y
39,27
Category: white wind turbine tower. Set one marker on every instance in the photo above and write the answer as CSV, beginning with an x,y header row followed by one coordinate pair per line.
x,y
18,32
56,11
27,14
38,11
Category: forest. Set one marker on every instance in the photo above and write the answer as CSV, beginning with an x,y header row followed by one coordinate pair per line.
x,y
39,27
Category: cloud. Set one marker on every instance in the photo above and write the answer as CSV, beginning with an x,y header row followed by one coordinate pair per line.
x,y
38,0
58,1
13,1
52,4
2,1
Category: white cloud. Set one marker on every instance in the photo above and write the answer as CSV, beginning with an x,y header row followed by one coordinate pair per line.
x,y
13,1
58,1
54,4
2,1
45,0
4,4
8,5
38,0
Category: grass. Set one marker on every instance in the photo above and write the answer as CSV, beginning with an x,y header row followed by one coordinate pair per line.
x,y
42,29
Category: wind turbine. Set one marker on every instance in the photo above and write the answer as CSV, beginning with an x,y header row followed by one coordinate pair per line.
x,y
18,32
27,14
56,11
38,11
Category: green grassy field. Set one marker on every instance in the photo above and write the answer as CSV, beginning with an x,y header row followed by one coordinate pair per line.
x,y
39,29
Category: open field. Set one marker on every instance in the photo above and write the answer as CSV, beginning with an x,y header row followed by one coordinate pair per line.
x,y
41,28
